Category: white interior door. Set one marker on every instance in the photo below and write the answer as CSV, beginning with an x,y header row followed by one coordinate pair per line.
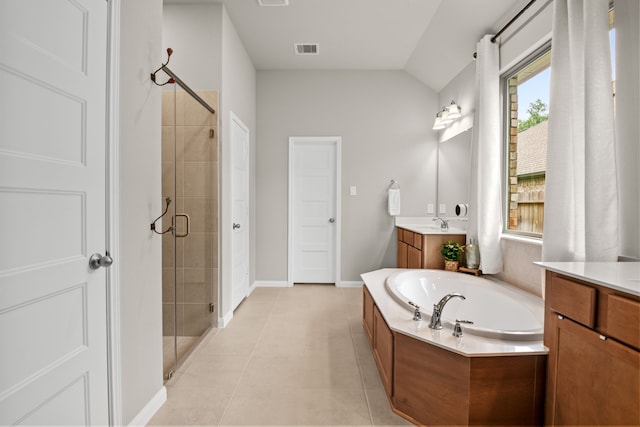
x,y
240,211
53,362
314,208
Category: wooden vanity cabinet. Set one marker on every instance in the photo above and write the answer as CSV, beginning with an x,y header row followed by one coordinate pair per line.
x,y
416,250
367,313
380,339
593,336
383,350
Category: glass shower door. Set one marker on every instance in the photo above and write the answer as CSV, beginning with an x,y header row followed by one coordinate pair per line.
x,y
189,247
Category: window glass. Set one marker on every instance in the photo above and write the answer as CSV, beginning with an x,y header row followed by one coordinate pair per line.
x,y
527,112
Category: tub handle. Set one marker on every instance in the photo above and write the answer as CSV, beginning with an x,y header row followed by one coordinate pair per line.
x,y
457,329
416,312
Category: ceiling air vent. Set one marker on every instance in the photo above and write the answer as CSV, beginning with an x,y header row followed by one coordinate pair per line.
x,y
306,48
273,2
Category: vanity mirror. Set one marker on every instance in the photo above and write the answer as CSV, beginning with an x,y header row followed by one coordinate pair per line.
x,y
454,157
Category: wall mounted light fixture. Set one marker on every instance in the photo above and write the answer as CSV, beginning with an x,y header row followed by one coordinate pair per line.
x,y
447,115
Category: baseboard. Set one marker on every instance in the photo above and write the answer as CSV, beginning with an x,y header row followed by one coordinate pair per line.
x,y
353,284
285,284
149,410
270,284
223,322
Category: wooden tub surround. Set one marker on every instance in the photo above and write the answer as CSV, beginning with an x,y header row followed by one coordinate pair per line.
x,y
433,378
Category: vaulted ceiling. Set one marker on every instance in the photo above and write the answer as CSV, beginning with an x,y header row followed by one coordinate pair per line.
x,y
432,40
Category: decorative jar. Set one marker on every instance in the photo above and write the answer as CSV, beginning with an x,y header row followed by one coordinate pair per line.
x,y
472,252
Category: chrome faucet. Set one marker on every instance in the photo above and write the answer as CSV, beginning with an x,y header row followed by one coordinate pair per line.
x,y
416,311
437,310
444,225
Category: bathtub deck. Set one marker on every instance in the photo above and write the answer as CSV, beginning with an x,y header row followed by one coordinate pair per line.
x,y
401,320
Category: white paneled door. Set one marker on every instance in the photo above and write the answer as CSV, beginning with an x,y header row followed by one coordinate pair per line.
x,y
313,209
240,212
53,332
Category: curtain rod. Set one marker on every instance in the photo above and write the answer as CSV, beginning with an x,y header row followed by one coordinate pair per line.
x,y
508,24
190,91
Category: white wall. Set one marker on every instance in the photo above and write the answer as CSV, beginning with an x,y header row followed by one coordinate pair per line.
x,y
194,33
462,90
454,150
140,252
384,119
238,95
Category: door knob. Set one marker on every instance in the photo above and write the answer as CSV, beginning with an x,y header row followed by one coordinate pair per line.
x,y
236,226
332,220
96,261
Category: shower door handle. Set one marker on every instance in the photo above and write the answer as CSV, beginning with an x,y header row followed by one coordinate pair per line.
x,y
188,221
236,226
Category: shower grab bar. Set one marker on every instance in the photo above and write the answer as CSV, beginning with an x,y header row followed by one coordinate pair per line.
x,y
185,216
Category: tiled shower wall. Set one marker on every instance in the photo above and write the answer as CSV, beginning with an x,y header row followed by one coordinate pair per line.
x,y
190,136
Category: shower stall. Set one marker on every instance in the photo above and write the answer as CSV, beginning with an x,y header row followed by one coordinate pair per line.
x,y
189,222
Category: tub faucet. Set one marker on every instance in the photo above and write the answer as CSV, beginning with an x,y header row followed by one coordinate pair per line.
x,y
444,225
437,310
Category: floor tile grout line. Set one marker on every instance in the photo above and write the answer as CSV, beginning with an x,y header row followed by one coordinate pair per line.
x,y
249,359
360,370
281,303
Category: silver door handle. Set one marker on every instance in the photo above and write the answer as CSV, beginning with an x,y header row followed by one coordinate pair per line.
x,y
236,226
332,220
97,260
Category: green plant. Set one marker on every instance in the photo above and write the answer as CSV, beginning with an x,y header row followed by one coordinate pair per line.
x,y
451,250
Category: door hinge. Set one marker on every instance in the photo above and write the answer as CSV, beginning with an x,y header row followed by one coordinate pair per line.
x,y
211,307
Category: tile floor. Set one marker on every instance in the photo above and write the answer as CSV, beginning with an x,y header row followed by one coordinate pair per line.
x,y
183,345
290,356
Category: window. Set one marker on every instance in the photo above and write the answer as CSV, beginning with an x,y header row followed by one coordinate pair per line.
x,y
527,110
527,89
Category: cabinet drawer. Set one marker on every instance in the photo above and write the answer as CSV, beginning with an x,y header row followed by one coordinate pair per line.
x,y
407,236
623,320
573,300
417,240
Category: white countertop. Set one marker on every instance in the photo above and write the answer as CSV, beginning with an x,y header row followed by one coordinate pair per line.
x,y
621,276
431,224
401,320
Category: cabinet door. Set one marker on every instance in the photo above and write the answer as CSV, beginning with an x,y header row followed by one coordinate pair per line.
x,y
402,254
367,313
414,257
594,380
383,350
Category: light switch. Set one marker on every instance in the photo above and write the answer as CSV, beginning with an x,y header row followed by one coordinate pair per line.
x,y
443,208
353,190
430,208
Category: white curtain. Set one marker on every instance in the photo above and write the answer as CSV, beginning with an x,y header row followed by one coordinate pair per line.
x,y
581,205
485,201
627,77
